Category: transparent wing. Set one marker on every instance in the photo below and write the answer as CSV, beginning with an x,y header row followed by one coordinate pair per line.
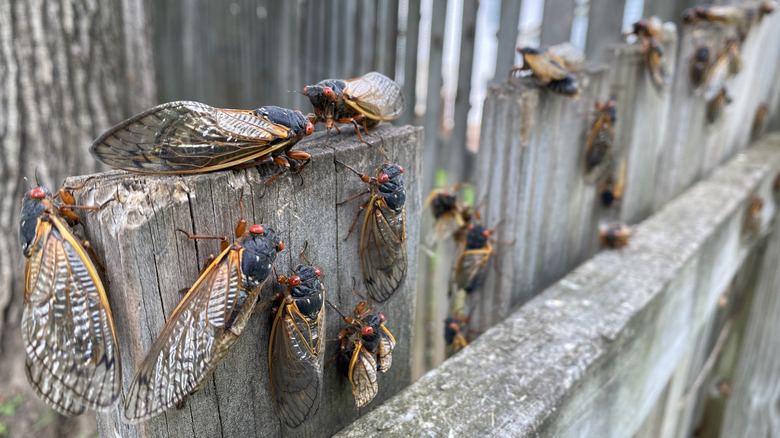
x,y
295,363
472,267
362,376
546,66
73,359
375,95
199,333
384,352
186,137
383,250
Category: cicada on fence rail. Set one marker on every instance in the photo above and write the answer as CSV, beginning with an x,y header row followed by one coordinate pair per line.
x,y
614,235
599,148
548,70
190,137
451,216
295,350
205,324
455,334
473,258
368,346
383,238
366,100
700,64
73,359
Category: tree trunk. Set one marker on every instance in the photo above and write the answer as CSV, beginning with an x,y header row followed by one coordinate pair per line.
x,y
69,70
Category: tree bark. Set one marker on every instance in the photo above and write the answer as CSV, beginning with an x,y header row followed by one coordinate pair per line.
x,y
70,69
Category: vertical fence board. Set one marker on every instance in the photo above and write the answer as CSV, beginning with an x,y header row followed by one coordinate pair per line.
x,y
557,21
605,24
412,39
433,103
507,37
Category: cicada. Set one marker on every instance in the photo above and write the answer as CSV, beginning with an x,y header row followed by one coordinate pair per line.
x,y
73,359
454,337
614,235
655,60
752,221
190,137
716,105
760,121
368,345
473,258
451,216
295,358
599,147
611,189
366,100
383,238
548,70
205,324
734,55
700,63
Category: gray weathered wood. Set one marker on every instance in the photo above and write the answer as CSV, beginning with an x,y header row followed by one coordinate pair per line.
x,y
643,112
664,9
752,408
605,25
433,102
411,37
592,354
556,21
68,70
529,187
507,37
148,262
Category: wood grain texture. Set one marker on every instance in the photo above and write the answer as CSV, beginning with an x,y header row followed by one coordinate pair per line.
x,y
592,354
148,262
68,70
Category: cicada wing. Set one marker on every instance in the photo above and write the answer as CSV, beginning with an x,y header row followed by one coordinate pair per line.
x,y
73,359
376,96
362,376
384,352
187,137
447,225
599,150
383,250
198,334
295,362
472,268
545,67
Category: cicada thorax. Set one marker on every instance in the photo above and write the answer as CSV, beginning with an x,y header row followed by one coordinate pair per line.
x,y
204,326
368,346
655,61
474,254
295,352
73,359
599,148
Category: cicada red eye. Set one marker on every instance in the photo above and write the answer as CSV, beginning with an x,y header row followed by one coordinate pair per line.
x,y
367,330
317,271
382,316
305,88
327,91
471,227
294,280
383,178
281,245
401,169
256,229
487,233
309,128
37,193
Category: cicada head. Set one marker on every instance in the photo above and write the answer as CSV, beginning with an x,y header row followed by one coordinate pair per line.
x,y
260,247
325,92
34,204
306,289
293,119
391,186
477,236
442,203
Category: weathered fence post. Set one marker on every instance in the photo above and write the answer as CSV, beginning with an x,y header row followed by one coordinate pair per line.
x,y
148,262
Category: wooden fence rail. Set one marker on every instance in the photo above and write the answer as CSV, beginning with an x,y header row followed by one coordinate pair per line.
x,y
594,353
149,262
